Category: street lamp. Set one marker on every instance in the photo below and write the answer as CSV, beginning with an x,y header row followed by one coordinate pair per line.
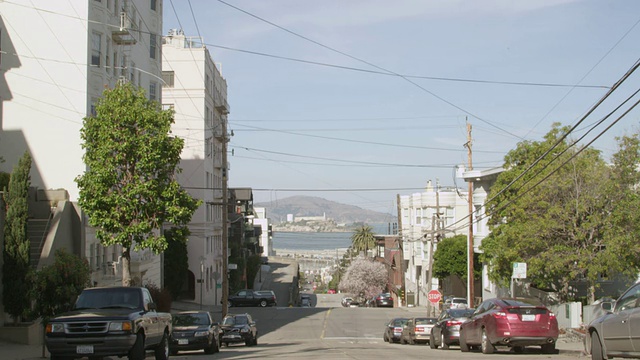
x,y
201,279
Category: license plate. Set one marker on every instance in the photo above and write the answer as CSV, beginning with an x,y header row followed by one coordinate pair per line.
x,y
84,349
183,341
528,317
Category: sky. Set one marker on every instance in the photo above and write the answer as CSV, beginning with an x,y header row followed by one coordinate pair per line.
x,y
359,101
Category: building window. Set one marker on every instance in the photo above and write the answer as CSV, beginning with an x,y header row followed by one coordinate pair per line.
x,y
153,94
96,48
107,54
153,47
168,78
132,73
153,5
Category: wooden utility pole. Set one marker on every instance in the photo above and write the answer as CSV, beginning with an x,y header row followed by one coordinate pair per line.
x,y
400,243
470,283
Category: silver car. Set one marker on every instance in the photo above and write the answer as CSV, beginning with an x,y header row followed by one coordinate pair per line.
x,y
615,334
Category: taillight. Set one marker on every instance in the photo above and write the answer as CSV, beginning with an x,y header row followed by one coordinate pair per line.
x,y
552,315
499,314
452,323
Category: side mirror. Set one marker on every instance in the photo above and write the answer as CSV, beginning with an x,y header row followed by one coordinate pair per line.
x,y
607,306
152,306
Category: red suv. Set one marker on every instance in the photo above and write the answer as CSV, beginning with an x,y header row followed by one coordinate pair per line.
x,y
514,323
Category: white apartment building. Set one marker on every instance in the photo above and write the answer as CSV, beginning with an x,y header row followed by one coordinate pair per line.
x,y
194,87
57,58
417,214
266,240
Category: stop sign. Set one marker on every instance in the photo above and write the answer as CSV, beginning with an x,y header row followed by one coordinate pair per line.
x,y
434,296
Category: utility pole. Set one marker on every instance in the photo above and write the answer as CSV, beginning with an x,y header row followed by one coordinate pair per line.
x,y
470,283
225,220
400,242
435,229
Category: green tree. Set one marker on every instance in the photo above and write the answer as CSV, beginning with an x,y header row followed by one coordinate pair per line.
x,y
176,262
559,228
362,239
450,259
129,189
57,286
16,268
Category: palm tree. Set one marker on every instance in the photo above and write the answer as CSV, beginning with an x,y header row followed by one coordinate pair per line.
x,y
363,239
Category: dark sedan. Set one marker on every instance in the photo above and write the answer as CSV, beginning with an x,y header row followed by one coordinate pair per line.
x,y
446,331
383,300
239,328
393,330
194,330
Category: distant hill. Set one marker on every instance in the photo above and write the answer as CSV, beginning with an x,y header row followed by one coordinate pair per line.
x,y
315,206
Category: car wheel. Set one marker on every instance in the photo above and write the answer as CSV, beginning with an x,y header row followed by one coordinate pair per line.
x,y
487,346
596,347
173,352
385,338
162,350
137,351
432,342
463,344
263,303
549,348
443,343
255,340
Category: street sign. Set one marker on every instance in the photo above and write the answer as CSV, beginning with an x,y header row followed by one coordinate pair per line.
x,y
233,266
434,296
519,271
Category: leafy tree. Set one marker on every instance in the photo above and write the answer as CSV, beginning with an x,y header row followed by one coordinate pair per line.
x,y
450,258
57,286
4,180
364,278
129,189
560,228
363,239
176,262
16,268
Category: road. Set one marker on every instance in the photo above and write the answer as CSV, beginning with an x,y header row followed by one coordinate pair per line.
x,y
328,331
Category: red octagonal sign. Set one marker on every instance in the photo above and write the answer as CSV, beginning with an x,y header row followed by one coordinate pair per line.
x,y
434,296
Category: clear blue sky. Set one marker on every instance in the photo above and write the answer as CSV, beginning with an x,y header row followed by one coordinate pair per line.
x,y
317,102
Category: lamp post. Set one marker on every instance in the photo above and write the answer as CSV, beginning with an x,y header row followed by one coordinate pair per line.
x,y
201,279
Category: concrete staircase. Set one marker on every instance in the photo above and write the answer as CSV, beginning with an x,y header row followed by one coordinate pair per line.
x,y
37,230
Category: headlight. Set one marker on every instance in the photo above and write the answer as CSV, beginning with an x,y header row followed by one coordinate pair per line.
x,y
120,326
244,330
201,333
55,328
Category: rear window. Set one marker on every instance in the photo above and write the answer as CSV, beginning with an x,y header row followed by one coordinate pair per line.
x,y
458,313
527,310
459,301
426,321
400,322
521,302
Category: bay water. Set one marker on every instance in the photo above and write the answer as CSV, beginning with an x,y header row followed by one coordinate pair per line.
x,y
317,241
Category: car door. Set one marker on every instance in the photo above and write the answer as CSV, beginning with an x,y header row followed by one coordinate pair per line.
x,y
473,328
151,320
616,327
436,330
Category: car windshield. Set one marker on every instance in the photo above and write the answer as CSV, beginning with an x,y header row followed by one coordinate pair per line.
x,y
235,320
190,319
109,298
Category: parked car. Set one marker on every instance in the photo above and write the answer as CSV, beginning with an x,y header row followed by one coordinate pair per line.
x,y
393,329
383,300
417,330
195,330
239,328
346,301
247,297
515,323
615,334
455,303
446,331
